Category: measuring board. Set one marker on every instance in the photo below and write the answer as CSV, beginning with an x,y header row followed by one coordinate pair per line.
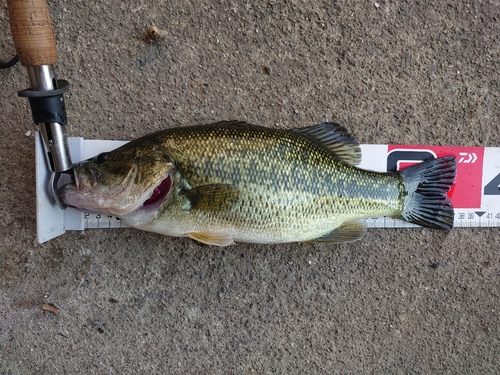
x,y
475,194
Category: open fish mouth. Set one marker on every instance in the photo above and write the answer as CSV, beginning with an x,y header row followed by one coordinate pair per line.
x,y
117,189
158,194
81,196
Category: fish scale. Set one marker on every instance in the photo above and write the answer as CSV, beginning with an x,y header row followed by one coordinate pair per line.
x,y
320,190
233,181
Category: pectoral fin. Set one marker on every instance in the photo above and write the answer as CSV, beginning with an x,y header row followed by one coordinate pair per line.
x,y
211,198
212,238
348,232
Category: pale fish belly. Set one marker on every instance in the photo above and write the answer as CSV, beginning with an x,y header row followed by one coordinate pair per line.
x,y
267,216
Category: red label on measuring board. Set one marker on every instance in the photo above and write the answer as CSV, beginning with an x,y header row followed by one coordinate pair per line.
x,y
467,190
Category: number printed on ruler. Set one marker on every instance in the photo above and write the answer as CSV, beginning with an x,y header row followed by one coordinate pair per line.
x,y
475,194
96,221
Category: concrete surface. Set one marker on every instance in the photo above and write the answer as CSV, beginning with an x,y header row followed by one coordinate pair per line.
x,y
408,301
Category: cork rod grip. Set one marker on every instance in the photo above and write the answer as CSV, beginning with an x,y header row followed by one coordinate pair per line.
x,y
32,32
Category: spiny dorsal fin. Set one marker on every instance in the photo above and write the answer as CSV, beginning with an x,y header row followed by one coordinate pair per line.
x,y
211,198
337,139
347,232
212,238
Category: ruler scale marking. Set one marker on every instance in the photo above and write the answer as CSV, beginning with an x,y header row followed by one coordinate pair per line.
x,y
475,195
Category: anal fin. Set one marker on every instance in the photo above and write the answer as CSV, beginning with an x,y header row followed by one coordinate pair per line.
x,y
212,238
348,232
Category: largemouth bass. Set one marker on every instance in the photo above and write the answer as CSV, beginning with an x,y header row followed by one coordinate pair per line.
x,y
232,181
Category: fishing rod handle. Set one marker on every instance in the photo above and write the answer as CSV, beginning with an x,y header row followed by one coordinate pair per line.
x,y
32,32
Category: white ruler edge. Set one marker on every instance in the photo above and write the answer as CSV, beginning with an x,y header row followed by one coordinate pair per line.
x,y
52,222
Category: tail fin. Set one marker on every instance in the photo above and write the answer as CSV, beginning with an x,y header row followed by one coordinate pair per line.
x,y
427,184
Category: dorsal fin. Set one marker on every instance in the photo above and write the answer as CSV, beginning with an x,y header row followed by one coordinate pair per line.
x,y
337,139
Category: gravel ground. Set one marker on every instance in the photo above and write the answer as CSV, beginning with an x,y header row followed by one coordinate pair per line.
x,y
406,301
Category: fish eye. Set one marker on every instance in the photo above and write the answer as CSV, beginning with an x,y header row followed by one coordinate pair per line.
x,y
101,158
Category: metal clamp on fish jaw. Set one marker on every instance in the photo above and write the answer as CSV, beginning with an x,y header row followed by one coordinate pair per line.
x,y
33,36
49,112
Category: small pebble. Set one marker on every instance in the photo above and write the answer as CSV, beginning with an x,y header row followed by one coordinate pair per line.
x,y
154,33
